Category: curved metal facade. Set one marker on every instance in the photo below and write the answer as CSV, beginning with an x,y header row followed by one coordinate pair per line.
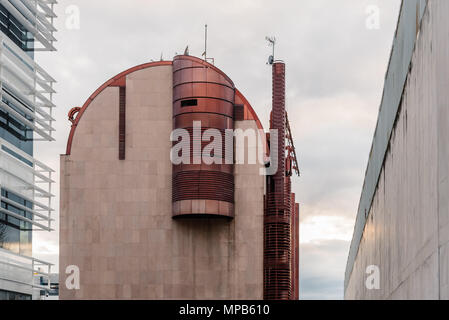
x,y
202,94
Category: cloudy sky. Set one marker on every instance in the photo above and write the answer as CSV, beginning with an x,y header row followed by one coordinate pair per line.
x,y
336,54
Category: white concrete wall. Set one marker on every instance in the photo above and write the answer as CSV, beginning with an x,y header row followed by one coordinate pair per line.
x,y
407,229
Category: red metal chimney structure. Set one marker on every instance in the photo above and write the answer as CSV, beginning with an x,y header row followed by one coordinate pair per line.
x,y
277,219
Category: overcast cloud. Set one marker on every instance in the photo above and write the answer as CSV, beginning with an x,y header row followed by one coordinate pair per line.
x,y
335,73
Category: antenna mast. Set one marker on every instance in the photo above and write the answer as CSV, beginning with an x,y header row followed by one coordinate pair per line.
x,y
272,43
205,42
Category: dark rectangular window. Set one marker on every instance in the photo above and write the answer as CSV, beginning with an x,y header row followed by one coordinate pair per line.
x,y
189,103
239,112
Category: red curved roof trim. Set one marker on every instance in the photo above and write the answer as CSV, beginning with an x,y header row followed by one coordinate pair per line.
x,y
250,114
120,81
117,81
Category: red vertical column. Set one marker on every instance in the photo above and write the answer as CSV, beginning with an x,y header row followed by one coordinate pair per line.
x,y
277,224
122,123
205,95
278,121
293,239
296,252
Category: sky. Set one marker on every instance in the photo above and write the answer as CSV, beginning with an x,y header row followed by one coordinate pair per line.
x,y
336,55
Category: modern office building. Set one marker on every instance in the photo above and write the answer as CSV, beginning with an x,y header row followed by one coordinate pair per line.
x,y
138,224
25,116
401,236
51,283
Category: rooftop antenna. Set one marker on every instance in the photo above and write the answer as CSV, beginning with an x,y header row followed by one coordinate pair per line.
x,y
210,60
205,42
272,43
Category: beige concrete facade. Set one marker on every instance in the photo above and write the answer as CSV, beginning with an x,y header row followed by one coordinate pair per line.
x,y
116,216
407,229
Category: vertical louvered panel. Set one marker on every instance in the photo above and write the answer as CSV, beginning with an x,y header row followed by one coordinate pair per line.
x,y
122,123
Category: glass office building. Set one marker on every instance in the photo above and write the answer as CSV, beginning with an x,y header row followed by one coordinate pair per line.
x,y
26,108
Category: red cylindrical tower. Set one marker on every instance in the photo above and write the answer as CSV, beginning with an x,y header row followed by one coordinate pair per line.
x,y
202,93
277,223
